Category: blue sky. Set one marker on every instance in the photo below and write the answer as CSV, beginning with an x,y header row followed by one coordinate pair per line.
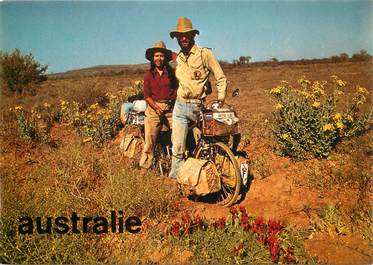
x,y
70,35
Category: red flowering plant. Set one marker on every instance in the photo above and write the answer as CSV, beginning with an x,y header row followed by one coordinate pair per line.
x,y
239,238
175,228
220,223
273,229
266,233
187,225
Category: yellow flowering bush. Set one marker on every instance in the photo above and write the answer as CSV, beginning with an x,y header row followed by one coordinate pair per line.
x,y
98,123
307,123
35,125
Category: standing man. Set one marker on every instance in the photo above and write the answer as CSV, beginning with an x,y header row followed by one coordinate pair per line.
x,y
194,65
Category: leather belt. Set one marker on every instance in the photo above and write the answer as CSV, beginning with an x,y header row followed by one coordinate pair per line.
x,y
169,102
193,101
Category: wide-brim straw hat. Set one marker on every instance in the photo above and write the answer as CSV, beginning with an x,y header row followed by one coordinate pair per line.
x,y
184,25
159,46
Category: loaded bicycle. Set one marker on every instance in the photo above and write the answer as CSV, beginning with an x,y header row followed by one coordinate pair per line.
x,y
213,134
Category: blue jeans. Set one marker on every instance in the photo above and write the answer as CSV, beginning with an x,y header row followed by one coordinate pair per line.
x,y
183,116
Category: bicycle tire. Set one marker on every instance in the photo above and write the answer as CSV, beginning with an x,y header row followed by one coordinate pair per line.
x,y
229,192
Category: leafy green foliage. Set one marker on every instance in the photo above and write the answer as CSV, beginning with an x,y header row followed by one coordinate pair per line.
x,y
19,73
35,125
307,123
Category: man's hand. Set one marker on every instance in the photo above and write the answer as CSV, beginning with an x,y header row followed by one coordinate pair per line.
x,y
217,104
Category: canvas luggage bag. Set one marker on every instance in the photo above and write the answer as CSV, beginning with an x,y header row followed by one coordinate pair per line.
x,y
220,123
131,146
229,171
199,177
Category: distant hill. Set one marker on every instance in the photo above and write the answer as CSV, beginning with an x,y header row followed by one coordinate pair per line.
x,y
123,69
102,70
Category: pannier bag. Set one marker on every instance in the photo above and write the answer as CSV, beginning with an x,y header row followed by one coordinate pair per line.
x,y
220,122
229,171
139,105
136,118
131,146
199,177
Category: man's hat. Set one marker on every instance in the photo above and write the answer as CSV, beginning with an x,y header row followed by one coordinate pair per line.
x,y
184,25
159,46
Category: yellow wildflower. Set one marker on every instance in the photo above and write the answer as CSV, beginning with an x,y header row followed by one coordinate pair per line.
x,y
18,108
279,106
93,106
340,83
340,125
337,116
349,118
339,93
318,88
316,104
46,105
362,90
328,127
276,90
63,102
87,139
305,94
304,81
285,136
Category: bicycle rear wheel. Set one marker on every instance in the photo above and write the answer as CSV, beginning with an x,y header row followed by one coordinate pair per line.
x,y
162,159
228,169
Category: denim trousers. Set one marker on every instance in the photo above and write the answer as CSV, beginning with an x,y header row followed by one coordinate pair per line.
x,y
184,116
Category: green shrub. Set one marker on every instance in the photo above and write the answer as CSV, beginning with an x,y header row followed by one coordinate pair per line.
x,y
35,125
307,123
19,73
97,122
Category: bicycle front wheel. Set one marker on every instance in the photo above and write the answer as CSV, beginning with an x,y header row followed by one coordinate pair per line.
x,y
228,169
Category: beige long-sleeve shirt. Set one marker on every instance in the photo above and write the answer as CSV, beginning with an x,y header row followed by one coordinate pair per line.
x,y
193,71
